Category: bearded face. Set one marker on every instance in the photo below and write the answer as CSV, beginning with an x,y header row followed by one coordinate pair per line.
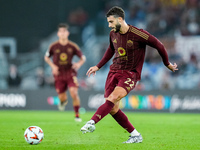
x,y
114,23
117,27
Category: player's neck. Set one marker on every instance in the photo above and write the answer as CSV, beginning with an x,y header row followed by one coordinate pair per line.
x,y
124,28
63,41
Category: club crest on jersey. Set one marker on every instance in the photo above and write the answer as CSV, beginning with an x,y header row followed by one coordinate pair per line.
x,y
130,43
63,56
121,51
69,50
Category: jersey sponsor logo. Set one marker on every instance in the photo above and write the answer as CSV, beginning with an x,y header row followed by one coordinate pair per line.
x,y
57,51
12,100
124,58
121,51
130,43
115,41
63,56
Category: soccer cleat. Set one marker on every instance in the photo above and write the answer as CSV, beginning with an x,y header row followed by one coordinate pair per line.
x,y
77,119
134,139
88,127
61,105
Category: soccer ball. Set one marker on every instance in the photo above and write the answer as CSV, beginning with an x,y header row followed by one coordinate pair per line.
x,y
33,135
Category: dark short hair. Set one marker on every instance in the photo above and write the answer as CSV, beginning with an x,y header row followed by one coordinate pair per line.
x,y
116,12
63,25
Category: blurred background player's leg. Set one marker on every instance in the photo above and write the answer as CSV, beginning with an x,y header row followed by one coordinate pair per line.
x,y
76,102
63,101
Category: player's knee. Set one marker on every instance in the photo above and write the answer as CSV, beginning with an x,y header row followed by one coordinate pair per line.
x,y
114,98
62,97
74,95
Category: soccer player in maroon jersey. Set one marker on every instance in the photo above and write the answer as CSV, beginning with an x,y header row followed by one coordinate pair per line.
x,y
127,44
64,71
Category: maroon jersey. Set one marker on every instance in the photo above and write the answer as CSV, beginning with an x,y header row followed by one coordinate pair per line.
x,y
63,54
129,50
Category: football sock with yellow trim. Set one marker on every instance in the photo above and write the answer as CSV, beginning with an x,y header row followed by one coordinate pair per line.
x,y
102,111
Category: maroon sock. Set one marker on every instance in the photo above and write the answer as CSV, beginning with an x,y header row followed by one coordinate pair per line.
x,y
76,108
102,111
122,120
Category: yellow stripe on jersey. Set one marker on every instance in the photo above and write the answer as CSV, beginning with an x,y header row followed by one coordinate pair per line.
x,y
139,33
74,44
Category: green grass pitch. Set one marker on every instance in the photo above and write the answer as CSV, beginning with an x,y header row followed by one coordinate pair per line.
x,y
160,131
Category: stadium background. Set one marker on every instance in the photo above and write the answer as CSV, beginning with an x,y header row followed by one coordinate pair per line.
x,y
27,28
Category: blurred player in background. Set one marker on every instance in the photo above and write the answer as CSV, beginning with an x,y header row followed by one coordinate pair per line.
x,y
64,71
127,44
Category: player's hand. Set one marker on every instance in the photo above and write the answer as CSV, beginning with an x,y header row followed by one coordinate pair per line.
x,y
55,70
76,66
172,67
92,70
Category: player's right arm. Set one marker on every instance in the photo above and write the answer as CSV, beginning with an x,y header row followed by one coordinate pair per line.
x,y
92,70
107,56
55,69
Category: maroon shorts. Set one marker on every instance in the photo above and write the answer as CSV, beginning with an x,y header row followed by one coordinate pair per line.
x,y
122,78
64,80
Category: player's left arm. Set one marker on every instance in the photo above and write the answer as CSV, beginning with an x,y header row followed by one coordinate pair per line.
x,y
155,43
78,52
172,67
78,64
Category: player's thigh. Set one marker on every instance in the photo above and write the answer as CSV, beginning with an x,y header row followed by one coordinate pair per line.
x,y
110,84
60,86
117,94
72,82
73,91
62,96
